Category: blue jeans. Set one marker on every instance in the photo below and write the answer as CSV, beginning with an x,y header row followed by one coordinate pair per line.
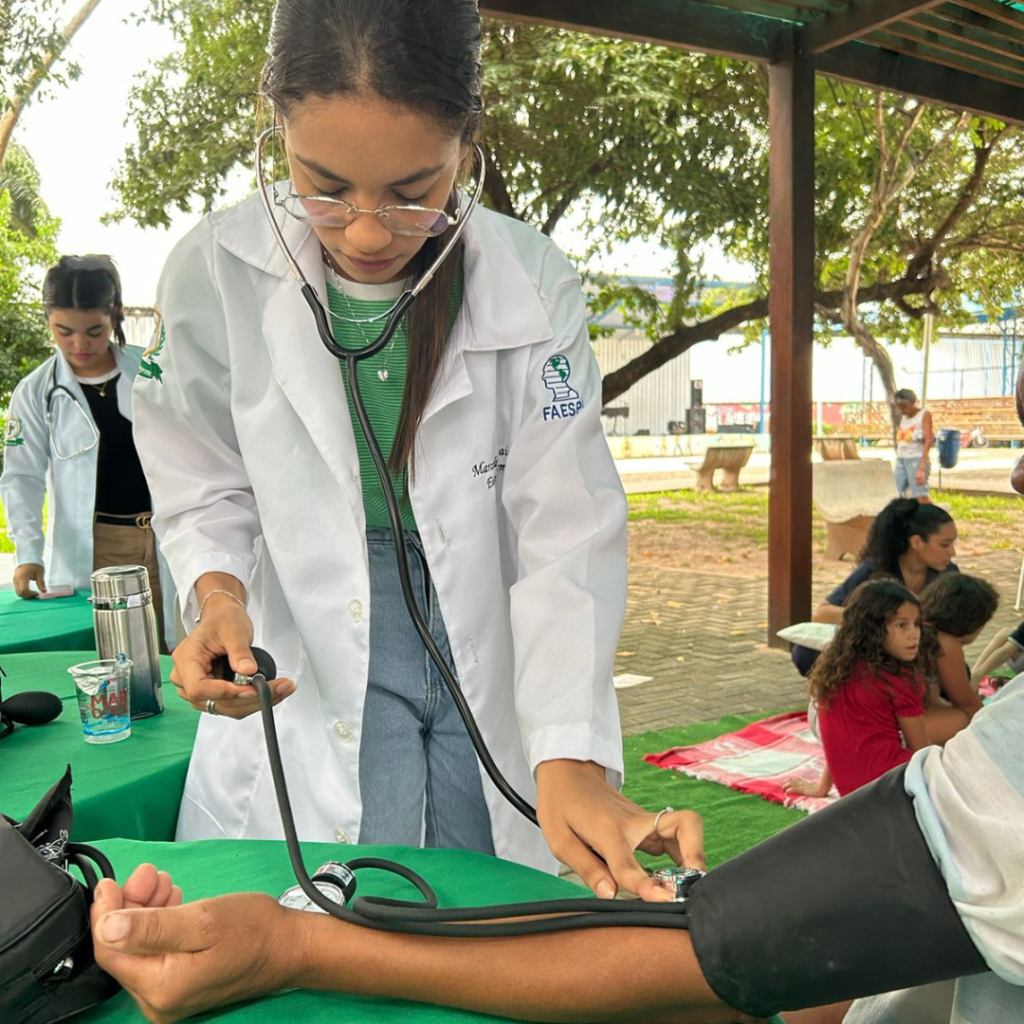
x,y
417,765
906,478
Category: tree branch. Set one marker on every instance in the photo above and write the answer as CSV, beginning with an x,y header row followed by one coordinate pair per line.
x,y
684,338
37,75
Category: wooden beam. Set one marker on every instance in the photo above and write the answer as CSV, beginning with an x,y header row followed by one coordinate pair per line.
x,y
687,24
872,65
857,19
790,314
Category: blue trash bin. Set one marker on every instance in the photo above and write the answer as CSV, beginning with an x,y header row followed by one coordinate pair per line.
x,y
949,447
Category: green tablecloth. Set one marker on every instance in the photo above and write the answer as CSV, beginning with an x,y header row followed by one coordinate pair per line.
x,y
60,624
216,867
130,789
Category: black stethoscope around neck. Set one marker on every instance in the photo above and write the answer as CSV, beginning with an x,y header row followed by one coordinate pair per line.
x,y
351,359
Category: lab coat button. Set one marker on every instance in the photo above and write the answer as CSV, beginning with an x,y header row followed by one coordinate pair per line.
x,y
342,731
355,610
342,836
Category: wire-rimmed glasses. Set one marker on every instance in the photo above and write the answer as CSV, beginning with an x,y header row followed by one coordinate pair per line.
x,y
456,219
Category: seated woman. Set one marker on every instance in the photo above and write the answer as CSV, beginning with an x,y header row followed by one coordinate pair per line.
x,y
956,608
912,541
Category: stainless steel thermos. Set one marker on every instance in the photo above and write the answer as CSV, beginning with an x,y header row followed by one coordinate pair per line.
x,y
125,623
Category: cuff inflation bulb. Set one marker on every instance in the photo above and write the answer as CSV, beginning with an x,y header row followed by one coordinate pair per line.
x,y
266,669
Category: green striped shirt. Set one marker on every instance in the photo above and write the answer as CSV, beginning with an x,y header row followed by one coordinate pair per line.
x,y
382,398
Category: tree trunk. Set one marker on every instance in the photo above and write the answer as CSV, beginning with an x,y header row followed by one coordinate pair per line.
x,y
35,78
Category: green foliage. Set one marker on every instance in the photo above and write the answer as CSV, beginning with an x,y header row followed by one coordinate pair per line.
x,y
28,29
27,247
195,110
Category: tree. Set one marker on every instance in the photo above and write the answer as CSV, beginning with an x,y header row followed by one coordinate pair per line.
x,y
30,49
27,247
652,142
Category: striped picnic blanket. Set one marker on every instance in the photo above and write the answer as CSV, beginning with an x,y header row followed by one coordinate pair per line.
x,y
757,759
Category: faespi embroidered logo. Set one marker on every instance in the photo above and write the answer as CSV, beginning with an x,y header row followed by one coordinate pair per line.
x,y
566,399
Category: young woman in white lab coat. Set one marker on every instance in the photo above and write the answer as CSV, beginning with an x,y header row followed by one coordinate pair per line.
x,y
488,401
69,428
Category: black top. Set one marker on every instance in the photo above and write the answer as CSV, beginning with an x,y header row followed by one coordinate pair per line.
x,y
865,571
121,488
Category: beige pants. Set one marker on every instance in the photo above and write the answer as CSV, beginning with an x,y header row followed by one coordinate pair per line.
x,y
134,543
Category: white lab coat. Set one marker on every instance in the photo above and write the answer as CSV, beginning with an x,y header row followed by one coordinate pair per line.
x,y
31,469
248,446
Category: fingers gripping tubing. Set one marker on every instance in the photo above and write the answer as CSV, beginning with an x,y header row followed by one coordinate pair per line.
x,y
847,903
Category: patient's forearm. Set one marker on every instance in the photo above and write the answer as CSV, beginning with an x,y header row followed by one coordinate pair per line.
x,y
623,974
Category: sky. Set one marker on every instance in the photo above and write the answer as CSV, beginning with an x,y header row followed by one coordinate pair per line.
x,y
77,136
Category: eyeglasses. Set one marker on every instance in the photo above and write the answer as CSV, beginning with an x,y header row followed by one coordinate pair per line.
x,y
330,211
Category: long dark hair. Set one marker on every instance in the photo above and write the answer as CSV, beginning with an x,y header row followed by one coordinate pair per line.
x,y
958,604
900,520
420,54
859,641
86,282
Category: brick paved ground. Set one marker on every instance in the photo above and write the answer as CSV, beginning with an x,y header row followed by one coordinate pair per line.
x,y
701,636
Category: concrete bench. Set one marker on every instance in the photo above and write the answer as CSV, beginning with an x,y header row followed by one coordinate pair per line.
x,y
730,459
849,494
837,447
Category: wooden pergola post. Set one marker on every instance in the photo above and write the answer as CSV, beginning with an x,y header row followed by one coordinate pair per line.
x,y
790,312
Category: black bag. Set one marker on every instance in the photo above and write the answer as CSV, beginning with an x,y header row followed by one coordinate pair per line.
x,y
48,971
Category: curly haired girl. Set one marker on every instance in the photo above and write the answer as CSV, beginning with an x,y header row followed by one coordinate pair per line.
x,y
869,685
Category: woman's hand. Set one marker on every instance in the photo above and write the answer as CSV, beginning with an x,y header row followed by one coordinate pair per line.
x,y
176,961
25,574
224,629
594,829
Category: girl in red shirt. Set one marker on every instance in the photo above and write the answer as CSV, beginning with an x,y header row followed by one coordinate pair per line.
x,y
870,690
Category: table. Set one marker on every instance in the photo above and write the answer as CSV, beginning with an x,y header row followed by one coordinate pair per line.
x,y
60,624
215,867
130,789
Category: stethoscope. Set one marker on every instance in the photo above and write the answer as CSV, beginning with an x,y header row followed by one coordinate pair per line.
x,y
332,888
60,391
351,359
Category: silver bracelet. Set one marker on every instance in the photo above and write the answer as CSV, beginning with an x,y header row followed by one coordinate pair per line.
x,y
233,597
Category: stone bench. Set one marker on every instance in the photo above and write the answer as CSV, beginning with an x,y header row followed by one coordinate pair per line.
x,y
849,494
730,459
837,447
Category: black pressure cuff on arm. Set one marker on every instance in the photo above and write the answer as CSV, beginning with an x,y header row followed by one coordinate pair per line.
x,y
844,904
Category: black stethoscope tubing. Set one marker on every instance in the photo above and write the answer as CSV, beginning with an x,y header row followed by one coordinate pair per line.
x,y
425,917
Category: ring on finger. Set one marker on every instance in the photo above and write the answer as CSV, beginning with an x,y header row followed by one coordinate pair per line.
x,y
657,817
211,707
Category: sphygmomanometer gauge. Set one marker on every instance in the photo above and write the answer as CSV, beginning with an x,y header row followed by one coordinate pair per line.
x,y
333,879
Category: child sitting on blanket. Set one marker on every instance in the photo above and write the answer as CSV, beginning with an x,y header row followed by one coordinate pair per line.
x,y
956,608
869,685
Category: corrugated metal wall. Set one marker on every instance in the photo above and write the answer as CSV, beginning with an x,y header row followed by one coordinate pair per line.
x,y
661,396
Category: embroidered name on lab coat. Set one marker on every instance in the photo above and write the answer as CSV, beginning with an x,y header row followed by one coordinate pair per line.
x,y
566,399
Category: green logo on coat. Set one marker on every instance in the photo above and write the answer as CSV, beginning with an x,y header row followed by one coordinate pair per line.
x,y
149,368
12,432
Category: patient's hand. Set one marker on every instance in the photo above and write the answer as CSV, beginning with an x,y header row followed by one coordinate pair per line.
x,y
177,960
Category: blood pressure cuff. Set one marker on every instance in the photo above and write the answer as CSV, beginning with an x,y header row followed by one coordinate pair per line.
x,y
47,968
847,903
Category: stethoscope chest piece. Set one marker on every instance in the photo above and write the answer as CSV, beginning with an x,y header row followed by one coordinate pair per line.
x,y
677,881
